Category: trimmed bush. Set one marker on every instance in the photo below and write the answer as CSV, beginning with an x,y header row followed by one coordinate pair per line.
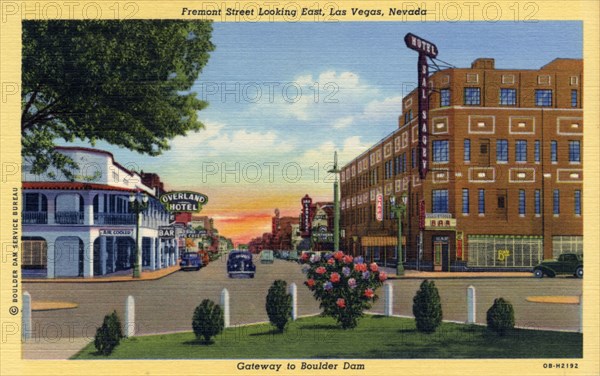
x,y
501,316
279,304
427,307
208,320
109,335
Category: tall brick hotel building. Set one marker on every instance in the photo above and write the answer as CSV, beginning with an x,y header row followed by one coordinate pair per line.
x,y
504,187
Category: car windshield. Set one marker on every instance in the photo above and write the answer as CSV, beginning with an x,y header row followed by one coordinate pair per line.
x,y
243,256
191,255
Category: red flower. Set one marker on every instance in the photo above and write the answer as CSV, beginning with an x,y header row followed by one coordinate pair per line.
x,y
360,267
369,293
335,277
310,283
341,303
320,270
348,259
331,261
382,276
374,267
338,255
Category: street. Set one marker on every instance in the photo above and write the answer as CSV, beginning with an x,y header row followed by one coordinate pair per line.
x,y
167,304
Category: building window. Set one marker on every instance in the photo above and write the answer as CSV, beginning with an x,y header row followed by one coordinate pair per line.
x,y
439,200
444,97
567,244
536,150
521,151
472,96
574,151
440,151
521,201
467,150
556,202
508,97
485,249
465,201
573,98
577,202
553,151
413,158
501,150
404,169
481,201
537,202
543,98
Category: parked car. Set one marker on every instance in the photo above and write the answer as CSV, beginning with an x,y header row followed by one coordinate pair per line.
x,y
240,263
567,263
266,256
204,257
190,260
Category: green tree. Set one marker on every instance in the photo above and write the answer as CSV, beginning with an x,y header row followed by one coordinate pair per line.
x,y
208,320
279,304
501,316
125,82
427,307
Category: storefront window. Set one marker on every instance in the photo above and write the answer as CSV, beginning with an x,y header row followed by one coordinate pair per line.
x,y
567,244
504,251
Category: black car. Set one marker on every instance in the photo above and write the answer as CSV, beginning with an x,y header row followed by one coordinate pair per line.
x,y
240,263
190,260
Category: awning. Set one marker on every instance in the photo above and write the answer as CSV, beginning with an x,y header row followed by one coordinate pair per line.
x,y
378,241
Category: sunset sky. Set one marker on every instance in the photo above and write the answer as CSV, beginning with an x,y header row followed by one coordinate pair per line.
x,y
283,96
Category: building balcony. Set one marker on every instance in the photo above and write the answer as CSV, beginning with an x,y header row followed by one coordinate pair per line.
x,y
69,217
114,218
34,217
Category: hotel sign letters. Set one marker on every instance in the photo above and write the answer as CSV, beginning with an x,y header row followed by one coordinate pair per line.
x,y
425,49
166,232
183,201
306,222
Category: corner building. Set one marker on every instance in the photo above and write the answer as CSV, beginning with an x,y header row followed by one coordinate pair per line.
x,y
504,187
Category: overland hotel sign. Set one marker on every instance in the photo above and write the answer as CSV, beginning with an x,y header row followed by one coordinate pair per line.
x,y
183,201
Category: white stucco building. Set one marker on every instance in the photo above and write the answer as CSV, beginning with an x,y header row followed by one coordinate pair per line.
x,y
84,228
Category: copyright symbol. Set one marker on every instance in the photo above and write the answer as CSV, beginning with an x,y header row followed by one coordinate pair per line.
x,y
13,310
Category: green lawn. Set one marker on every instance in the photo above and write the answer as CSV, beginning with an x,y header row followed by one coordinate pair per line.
x,y
375,337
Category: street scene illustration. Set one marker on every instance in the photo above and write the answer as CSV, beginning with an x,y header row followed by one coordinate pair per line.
x,y
317,191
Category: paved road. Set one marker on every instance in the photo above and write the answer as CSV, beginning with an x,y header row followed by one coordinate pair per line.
x,y
167,304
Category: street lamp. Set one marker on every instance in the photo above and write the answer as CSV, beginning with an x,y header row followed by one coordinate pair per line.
x,y
399,210
138,202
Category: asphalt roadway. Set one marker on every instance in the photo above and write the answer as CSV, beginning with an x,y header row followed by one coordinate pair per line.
x,y
167,304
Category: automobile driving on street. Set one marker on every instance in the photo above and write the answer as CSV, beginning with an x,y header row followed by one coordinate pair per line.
x,y
567,263
190,260
266,256
240,263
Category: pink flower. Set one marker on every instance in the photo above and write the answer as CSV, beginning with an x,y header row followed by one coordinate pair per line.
x,y
335,277
320,270
341,303
352,283
374,267
369,293
348,259
382,276
310,283
338,255
331,261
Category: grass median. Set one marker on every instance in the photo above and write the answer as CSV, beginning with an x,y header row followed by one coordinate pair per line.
x,y
375,337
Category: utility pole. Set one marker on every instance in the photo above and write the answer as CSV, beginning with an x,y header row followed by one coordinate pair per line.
x,y
336,205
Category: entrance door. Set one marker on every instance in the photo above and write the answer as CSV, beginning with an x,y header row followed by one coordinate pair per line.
x,y
441,256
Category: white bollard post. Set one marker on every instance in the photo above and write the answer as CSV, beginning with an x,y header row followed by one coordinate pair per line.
x,y
225,306
389,299
26,317
129,317
581,313
471,305
294,293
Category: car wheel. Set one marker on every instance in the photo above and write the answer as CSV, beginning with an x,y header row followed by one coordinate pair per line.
x,y
252,275
230,275
538,273
579,272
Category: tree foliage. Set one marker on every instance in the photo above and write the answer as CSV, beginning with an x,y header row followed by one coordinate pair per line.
x,y
109,335
501,316
208,320
125,82
279,304
427,307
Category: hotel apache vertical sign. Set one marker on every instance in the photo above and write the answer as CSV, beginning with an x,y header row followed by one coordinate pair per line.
x,y
425,49
183,201
305,220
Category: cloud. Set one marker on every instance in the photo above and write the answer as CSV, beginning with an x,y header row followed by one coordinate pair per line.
x,y
344,122
249,143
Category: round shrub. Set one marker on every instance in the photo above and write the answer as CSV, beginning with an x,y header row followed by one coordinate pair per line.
x,y
279,304
109,335
208,320
345,286
501,316
427,307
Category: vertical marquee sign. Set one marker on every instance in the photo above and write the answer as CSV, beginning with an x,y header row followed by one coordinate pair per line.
x,y
425,49
305,220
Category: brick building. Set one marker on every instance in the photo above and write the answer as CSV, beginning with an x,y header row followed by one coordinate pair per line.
x,y
504,188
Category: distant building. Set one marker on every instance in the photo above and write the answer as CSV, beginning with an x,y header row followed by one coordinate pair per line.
x,y
504,189
83,228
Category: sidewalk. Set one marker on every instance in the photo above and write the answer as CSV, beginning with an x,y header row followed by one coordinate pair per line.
x,y
146,276
413,274
62,348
